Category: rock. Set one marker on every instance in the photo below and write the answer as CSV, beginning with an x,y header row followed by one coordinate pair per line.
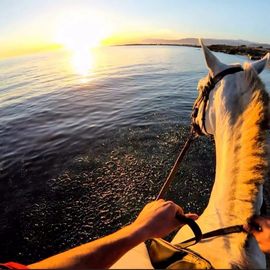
x,y
254,53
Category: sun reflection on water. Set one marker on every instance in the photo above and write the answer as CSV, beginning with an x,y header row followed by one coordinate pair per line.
x,y
82,62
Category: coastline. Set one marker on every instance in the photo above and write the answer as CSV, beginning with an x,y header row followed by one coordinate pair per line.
x,y
253,53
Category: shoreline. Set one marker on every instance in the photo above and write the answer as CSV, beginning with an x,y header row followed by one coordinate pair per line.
x,y
253,53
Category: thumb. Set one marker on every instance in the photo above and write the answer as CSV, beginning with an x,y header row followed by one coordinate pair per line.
x,y
192,216
182,218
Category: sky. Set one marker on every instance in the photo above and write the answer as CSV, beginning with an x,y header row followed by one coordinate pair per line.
x,y
33,25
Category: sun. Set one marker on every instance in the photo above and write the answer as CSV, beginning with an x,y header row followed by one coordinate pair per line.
x,y
77,29
80,32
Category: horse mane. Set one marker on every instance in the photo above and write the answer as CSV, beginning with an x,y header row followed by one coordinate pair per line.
x,y
252,164
249,169
251,127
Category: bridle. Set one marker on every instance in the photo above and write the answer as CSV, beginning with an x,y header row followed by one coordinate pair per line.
x,y
196,131
204,98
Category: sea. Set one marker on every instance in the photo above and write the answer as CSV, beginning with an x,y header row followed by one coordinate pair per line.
x,y
87,139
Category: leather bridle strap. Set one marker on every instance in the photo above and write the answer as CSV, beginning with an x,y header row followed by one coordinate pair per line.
x,y
213,81
204,96
226,72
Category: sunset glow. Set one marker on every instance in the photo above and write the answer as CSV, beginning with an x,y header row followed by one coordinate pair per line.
x,y
30,26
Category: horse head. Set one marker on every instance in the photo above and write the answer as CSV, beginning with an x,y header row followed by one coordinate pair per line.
x,y
225,97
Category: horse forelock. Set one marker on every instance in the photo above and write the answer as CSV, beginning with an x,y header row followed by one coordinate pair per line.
x,y
203,81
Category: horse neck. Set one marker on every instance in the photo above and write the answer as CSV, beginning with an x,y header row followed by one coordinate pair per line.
x,y
241,159
241,165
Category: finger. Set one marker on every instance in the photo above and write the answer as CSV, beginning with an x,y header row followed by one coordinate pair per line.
x,y
256,224
264,222
173,207
168,203
181,218
154,203
178,209
247,228
158,202
261,230
192,216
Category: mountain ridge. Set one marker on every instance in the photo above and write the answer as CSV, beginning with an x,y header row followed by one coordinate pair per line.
x,y
207,41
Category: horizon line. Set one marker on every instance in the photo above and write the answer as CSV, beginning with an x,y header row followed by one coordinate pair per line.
x,y
145,41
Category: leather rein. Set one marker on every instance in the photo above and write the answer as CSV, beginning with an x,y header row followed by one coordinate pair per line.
x,y
196,131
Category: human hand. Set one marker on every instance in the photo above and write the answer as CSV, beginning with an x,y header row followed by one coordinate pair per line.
x,y
158,219
260,229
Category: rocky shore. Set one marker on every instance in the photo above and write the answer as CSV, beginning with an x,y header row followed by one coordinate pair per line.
x,y
254,53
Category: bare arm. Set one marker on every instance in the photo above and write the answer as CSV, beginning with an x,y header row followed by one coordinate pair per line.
x,y
157,219
101,253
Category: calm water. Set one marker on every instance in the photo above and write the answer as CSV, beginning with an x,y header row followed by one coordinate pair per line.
x,y
87,140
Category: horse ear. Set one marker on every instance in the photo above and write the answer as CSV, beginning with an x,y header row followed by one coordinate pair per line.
x,y
260,64
213,64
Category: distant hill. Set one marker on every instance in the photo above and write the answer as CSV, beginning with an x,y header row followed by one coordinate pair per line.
x,y
208,42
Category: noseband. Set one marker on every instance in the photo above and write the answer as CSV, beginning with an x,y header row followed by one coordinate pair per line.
x,y
204,98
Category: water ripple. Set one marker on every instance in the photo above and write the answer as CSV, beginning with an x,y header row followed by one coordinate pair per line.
x,y
74,149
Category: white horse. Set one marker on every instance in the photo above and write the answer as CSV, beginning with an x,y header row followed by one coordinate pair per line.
x,y
236,115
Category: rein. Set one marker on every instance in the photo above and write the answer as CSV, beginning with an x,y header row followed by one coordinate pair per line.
x,y
219,232
196,131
